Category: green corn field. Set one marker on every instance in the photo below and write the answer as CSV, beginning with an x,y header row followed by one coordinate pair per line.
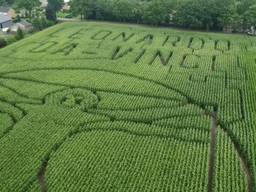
x,y
101,107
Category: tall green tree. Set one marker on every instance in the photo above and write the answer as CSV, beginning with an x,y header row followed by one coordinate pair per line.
x,y
84,8
244,5
28,5
224,13
249,16
122,11
210,14
137,11
188,15
156,13
52,8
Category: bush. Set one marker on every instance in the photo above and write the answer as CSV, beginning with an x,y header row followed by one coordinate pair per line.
x,y
3,42
41,23
10,39
19,35
17,19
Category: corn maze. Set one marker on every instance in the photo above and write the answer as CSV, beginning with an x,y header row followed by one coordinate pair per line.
x,y
109,107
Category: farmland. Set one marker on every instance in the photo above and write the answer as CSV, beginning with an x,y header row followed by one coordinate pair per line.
x,y
108,107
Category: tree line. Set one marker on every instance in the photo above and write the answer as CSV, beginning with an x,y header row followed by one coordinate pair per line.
x,y
237,15
233,15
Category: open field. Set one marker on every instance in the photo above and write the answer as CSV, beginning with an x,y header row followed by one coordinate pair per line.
x,y
108,107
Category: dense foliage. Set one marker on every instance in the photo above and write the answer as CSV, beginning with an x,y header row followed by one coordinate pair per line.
x,y
41,23
52,8
19,35
6,2
3,42
92,106
27,5
228,15
200,14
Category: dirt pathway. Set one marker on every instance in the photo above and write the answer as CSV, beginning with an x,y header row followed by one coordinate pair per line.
x,y
213,148
41,177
